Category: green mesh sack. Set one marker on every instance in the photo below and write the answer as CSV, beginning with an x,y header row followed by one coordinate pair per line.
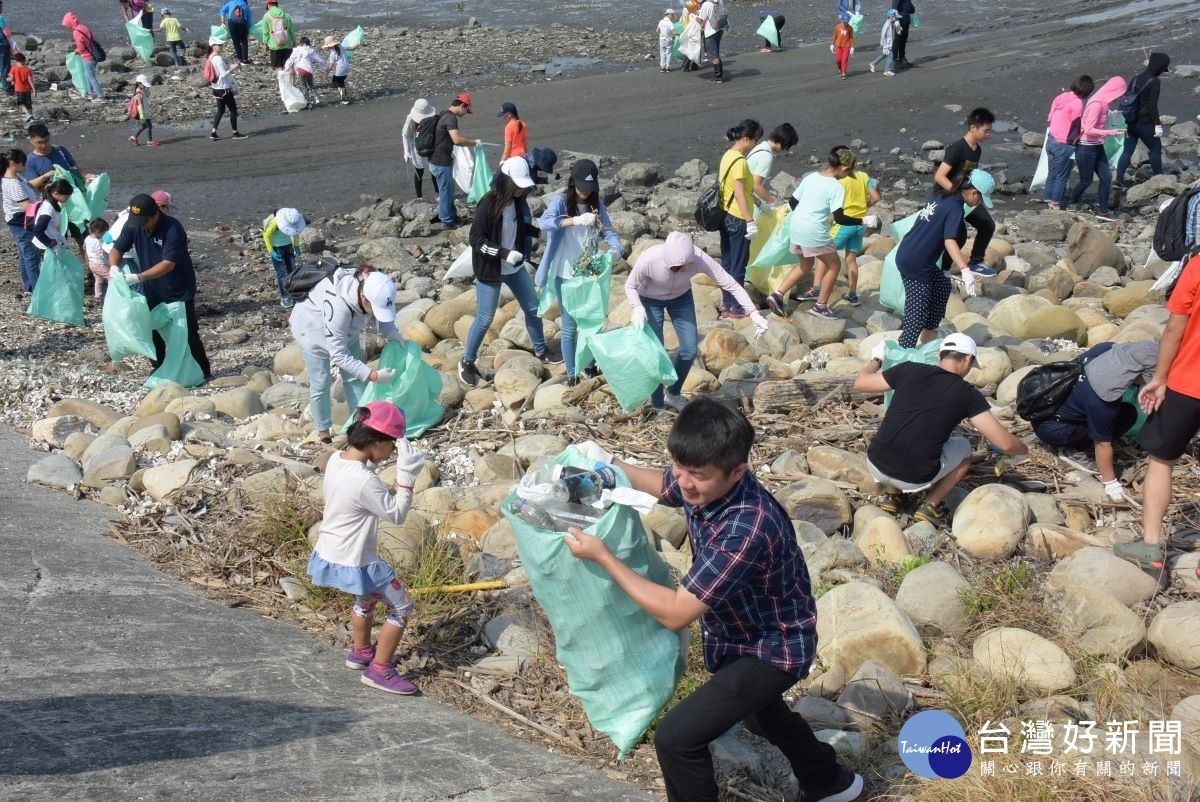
x,y
856,22
481,179
546,296
141,40
179,366
1130,397
621,663
894,353
58,295
891,287
126,319
78,73
353,42
219,32
256,32
634,363
415,389
768,31
586,298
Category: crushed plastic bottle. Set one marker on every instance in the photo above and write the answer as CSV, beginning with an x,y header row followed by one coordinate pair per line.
x,y
580,486
554,516
531,514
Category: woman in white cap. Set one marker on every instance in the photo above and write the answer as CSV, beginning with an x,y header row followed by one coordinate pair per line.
x,y
501,240
327,326
281,232
422,110
139,107
224,88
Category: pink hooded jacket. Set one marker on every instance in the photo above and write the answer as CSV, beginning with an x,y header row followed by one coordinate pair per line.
x,y
1065,110
651,276
1093,126
83,35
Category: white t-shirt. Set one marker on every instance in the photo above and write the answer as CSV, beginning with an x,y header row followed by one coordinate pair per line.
x,y
355,500
15,191
508,237
666,30
816,198
708,11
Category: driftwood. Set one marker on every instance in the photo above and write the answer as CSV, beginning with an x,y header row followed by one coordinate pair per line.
x,y
806,391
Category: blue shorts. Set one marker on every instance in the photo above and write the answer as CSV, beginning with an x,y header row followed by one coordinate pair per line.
x,y
849,238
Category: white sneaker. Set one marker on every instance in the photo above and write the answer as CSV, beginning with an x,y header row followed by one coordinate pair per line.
x,y
889,73
872,66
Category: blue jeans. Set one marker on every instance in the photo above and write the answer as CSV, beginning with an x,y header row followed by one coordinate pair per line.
x,y
443,179
570,331
5,64
1059,156
891,61
284,261
487,298
320,385
682,310
178,51
735,255
28,255
89,69
1140,132
1091,160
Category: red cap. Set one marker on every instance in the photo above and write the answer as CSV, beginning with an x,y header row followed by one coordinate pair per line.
x,y
385,418
161,197
465,99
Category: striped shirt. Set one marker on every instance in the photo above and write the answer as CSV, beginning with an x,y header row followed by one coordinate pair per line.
x,y
750,572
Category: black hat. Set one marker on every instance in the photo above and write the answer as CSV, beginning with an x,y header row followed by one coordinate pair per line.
x,y
141,208
585,175
508,107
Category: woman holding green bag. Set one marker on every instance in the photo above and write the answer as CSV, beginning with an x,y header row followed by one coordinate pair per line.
x,y
571,219
18,193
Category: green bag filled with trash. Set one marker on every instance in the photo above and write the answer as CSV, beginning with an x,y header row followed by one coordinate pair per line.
x,y
894,353
415,389
58,295
586,298
179,366
621,663
219,32
856,21
352,42
675,51
1130,397
546,297
891,287
634,362
78,74
141,40
97,196
126,319
768,31
481,179
256,32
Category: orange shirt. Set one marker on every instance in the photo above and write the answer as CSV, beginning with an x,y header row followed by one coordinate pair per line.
x,y
1185,368
516,135
22,78
843,35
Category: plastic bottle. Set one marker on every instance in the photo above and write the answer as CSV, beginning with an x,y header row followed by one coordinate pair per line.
x,y
580,486
566,515
532,514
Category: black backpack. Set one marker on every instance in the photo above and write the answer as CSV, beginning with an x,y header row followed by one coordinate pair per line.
x,y
709,214
1170,231
1046,387
300,282
426,134
1128,104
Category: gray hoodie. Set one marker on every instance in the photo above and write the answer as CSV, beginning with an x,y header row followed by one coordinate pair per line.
x,y
1111,373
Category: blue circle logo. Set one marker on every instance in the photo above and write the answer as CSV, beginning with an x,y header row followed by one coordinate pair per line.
x,y
933,744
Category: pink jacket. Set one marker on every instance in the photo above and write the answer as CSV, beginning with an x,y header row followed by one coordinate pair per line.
x,y
1093,127
82,33
651,276
1065,110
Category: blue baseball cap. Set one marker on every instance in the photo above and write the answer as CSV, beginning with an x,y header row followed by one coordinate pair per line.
x,y
983,181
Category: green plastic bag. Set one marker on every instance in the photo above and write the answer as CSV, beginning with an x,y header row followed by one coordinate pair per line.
x,y
179,366
621,663
894,353
353,42
58,295
78,74
256,32
891,287
481,179
586,298
126,319
97,196
915,21
675,51
141,40
634,363
856,21
768,31
89,200
1131,397
219,32
415,389
547,296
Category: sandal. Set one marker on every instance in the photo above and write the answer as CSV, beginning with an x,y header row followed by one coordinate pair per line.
x,y
1147,556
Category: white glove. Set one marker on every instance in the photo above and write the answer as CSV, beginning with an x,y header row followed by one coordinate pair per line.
x,y
384,375
1114,491
132,278
886,52
486,144
585,219
751,230
409,463
852,51
878,351
514,258
638,318
969,280
832,49
871,221
594,452
1158,130
760,324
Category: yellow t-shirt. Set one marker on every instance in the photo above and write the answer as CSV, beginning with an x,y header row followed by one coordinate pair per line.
x,y
734,172
170,27
857,197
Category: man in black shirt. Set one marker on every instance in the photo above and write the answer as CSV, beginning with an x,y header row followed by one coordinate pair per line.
x,y
963,157
913,450
904,10
441,163
1145,124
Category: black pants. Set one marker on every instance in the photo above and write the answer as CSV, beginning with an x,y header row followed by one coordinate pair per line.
x,y
985,228
239,34
901,41
742,688
194,343
778,27
226,101
419,181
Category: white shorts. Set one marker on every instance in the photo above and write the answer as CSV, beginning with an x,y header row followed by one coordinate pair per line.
x,y
954,452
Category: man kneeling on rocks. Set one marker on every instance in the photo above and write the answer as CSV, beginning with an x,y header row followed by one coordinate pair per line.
x,y
913,450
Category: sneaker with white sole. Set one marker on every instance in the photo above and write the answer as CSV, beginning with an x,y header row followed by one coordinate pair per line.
x,y
980,269
889,74
777,304
468,374
820,310
388,679
359,659
845,787
814,292
872,66
1081,460
852,299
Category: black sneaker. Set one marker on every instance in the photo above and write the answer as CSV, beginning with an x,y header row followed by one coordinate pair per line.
x,y
593,372
236,135
776,303
551,355
213,136
468,374
890,503
572,381
845,787
930,513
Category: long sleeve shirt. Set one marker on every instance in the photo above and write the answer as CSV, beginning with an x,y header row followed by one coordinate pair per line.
x,y
326,322
551,223
1064,111
652,276
1093,126
355,500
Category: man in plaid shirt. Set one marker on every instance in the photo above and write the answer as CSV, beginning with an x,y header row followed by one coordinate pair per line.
x,y
749,587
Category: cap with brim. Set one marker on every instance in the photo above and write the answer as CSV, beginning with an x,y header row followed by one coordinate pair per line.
x,y
385,418
161,197
141,208
464,99
585,175
289,221
983,181
330,43
960,343
142,79
517,169
507,108
380,291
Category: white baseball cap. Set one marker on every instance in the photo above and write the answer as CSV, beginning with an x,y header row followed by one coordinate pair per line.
x,y
380,291
517,169
290,221
142,79
960,344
